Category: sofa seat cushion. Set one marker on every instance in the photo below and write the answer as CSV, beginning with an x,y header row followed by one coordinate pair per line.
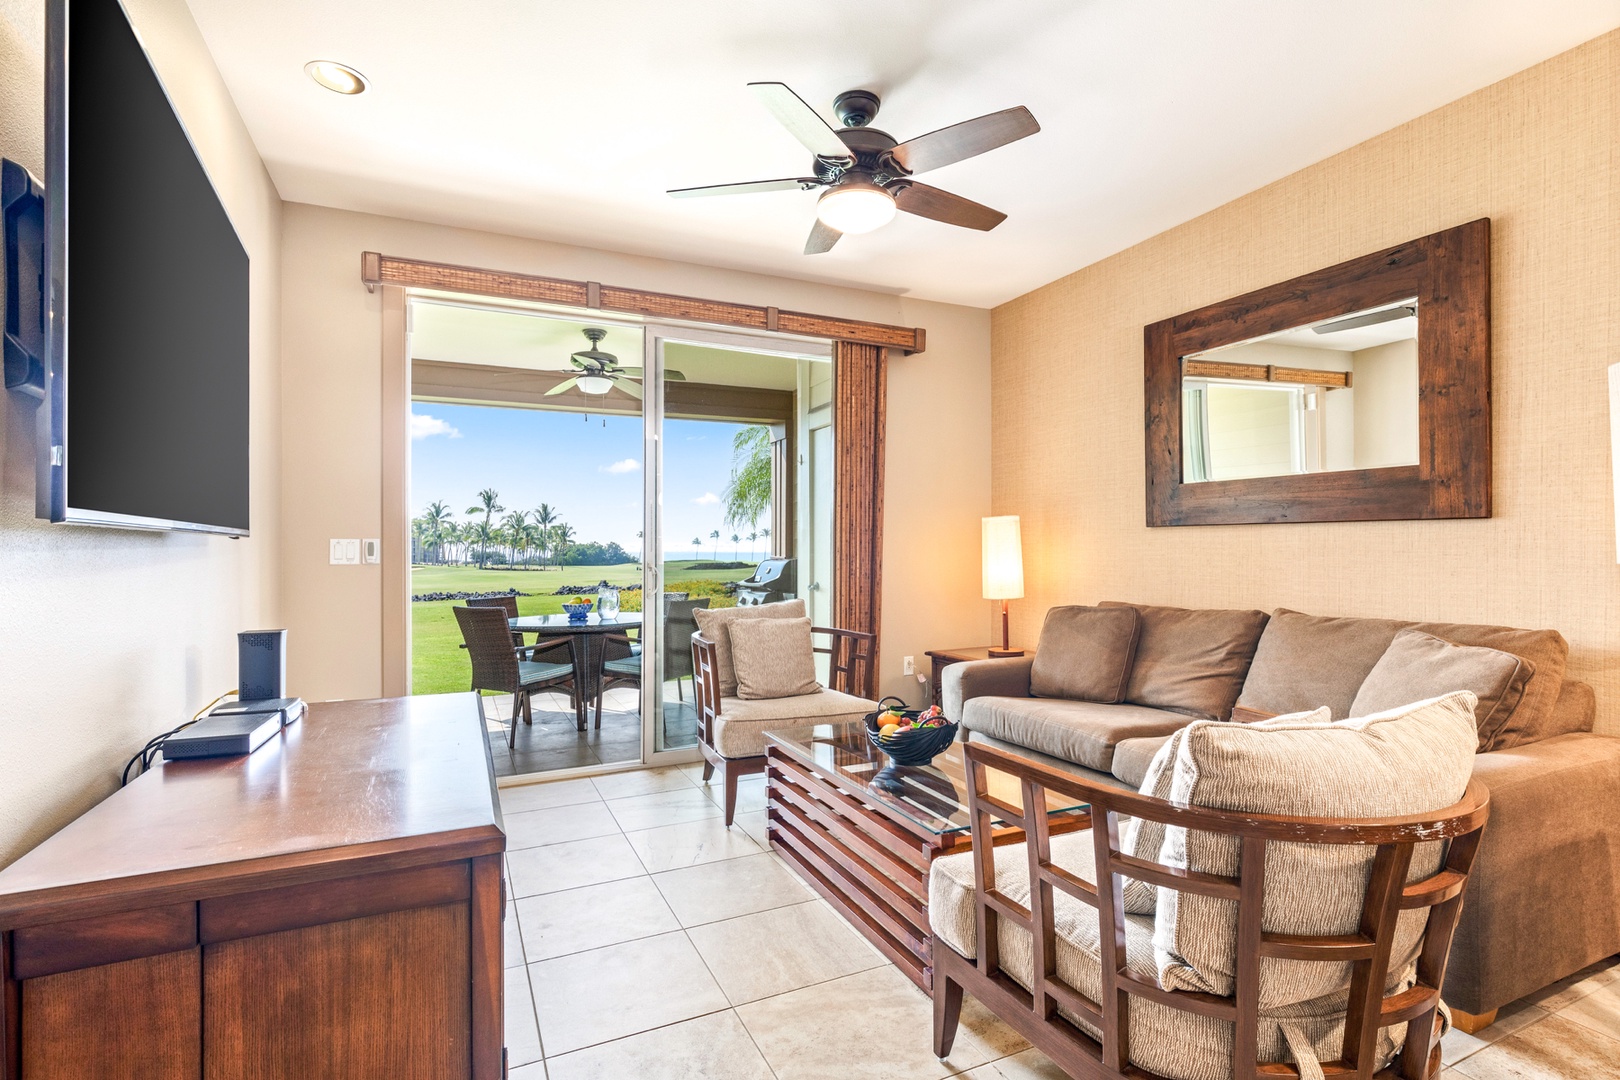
x,y
1085,653
1414,760
1417,666
1192,660
1091,776
1079,731
741,726
1132,757
1165,1041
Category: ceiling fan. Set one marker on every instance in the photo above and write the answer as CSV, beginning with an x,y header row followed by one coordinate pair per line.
x,y
600,371
867,174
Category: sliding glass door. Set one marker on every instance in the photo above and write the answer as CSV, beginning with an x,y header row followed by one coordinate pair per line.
x,y
734,428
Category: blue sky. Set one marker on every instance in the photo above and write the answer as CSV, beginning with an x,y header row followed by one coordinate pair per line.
x,y
590,473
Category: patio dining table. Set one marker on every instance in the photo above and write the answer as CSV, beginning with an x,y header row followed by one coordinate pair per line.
x,y
588,634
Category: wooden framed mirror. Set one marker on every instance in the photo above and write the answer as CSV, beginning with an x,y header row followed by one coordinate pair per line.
x,y
1361,392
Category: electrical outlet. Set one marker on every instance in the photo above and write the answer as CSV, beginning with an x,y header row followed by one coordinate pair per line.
x,y
911,665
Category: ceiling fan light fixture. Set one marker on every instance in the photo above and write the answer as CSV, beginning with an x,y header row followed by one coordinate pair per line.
x,y
336,77
856,207
594,384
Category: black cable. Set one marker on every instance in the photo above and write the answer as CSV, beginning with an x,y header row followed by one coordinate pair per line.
x,y
154,744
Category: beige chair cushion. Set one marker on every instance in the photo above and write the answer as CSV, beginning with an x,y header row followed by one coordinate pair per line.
x,y
1143,838
1079,731
1163,1040
741,726
773,658
1308,660
1418,666
1192,661
1133,756
714,624
1409,761
1085,653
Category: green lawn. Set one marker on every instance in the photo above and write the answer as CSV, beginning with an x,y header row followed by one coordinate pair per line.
x,y
439,664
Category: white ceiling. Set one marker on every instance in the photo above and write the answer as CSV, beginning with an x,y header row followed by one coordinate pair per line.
x,y
567,121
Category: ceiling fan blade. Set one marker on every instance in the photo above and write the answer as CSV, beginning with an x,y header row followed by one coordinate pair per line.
x,y
803,183
822,238
633,372
931,202
967,139
803,122
671,375
562,387
628,387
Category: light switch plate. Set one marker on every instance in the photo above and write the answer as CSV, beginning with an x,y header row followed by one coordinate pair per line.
x,y
336,552
351,552
371,551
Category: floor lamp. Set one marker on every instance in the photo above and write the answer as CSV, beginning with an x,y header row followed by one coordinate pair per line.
x,y
1003,571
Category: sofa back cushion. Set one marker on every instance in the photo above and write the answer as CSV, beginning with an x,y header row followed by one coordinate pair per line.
x,y
1191,660
1085,653
773,658
1304,661
1414,760
1417,666
714,623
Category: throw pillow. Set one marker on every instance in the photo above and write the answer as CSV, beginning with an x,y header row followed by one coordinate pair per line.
x,y
1412,760
773,658
1192,660
1085,653
712,623
1144,839
1417,666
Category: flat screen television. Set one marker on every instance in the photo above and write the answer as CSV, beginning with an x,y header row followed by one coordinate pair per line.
x,y
145,412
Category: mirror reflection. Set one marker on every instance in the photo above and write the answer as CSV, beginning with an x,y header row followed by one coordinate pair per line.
x,y
1329,396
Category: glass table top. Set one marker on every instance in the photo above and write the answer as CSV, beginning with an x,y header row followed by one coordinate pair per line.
x,y
934,796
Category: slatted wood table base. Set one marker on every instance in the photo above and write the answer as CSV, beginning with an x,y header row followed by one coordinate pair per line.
x,y
869,861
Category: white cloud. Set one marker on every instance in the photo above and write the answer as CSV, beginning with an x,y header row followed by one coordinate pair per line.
x,y
708,498
425,427
627,465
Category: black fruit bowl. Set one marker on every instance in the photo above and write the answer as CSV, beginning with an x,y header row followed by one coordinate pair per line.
x,y
918,746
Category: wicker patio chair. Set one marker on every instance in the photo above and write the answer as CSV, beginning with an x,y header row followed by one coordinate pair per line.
x,y
497,666
620,656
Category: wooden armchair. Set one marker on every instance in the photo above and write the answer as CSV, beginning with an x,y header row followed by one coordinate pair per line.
x,y
1133,1008
731,731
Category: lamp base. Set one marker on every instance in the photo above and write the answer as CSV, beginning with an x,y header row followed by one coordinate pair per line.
x,y
1002,654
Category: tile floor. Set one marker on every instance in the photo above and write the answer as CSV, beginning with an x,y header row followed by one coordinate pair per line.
x,y
553,742
644,940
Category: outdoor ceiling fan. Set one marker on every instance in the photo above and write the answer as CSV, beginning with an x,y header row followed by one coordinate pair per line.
x,y
867,174
601,371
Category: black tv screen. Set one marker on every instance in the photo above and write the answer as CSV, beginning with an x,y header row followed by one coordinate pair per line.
x,y
149,346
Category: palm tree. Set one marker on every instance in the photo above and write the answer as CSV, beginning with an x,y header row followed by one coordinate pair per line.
x,y
562,536
545,517
484,536
489,504
736,545
748,493
514,524
436,518
529,539
697,545
752,537
715,536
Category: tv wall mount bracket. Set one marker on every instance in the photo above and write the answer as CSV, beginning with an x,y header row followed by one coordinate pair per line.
x,y
22,201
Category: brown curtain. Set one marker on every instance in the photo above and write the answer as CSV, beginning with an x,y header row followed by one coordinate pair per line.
x,y
861,395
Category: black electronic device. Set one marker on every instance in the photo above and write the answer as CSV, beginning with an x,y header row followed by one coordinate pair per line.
x,y
261,665
290,708
147,296
223,736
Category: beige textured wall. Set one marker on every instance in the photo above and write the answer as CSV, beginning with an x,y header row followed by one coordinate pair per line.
x,y
938,463
1536,153
109,637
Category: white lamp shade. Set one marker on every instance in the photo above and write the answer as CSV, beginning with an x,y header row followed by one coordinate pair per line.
x,y
594,384
1003,558
856,208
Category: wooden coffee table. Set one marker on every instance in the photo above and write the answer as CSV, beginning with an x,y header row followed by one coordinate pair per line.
x,y
864,832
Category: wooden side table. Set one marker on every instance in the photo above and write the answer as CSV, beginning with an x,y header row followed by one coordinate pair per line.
x,y
944,658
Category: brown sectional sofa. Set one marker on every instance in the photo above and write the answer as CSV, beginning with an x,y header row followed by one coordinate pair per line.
x,y
1544,900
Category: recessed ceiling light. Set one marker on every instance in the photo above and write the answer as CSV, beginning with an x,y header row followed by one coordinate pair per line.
x,y
339,78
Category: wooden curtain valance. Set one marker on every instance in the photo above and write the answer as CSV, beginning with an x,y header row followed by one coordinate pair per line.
x,y
377,269
1215,369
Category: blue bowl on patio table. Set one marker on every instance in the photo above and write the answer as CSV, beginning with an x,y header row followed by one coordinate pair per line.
x,y
577,610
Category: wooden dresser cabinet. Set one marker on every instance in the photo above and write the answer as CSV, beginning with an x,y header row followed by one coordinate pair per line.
x,y
327,906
